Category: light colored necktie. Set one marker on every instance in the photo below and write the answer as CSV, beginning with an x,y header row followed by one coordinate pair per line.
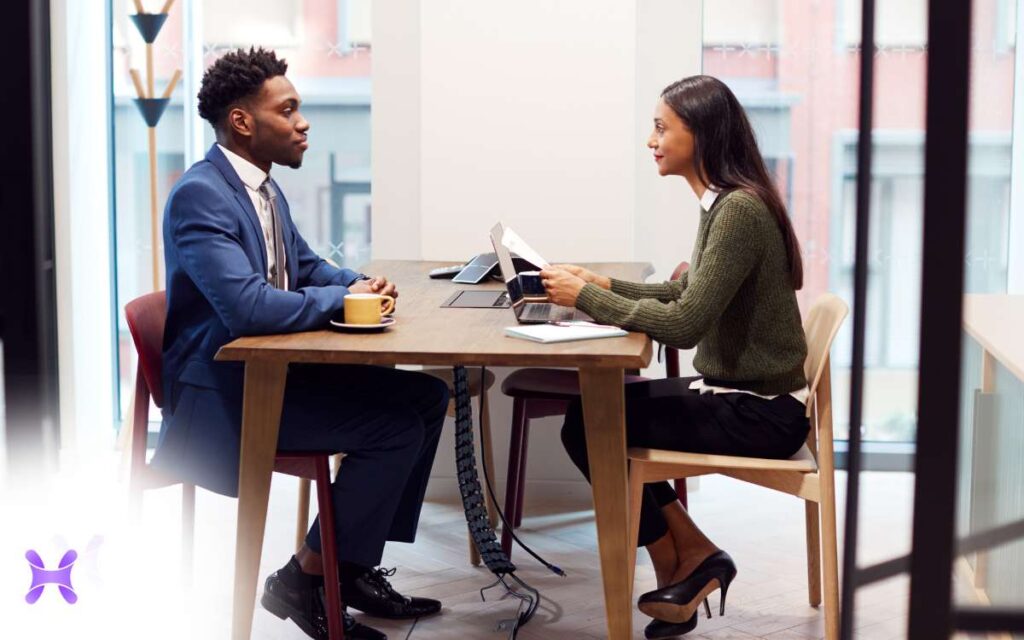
x,y
277,272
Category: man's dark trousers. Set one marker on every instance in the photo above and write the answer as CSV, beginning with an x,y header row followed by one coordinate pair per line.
x,y
386,421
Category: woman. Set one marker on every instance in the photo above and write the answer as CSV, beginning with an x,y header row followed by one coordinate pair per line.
x,y
737,305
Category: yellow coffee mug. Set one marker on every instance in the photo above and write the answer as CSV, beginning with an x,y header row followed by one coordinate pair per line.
x,y
367,308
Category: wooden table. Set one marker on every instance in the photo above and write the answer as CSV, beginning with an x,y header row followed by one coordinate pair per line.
x,y
429,335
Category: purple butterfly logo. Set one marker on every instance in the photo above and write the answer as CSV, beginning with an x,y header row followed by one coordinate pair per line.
x,y
61,576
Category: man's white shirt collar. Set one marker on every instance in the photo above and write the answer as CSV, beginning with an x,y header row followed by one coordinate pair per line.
x,y
708,199
251,175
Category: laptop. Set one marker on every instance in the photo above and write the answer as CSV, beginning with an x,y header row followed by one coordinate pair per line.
x,y
528,309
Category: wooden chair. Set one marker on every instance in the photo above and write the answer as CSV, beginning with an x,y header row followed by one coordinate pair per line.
x,y
478,388
809,475
539,393
146,317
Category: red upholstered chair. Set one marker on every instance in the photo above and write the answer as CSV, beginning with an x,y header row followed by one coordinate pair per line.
x,y
539,393
146,316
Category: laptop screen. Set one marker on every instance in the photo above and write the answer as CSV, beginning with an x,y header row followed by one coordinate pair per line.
x,y
508,270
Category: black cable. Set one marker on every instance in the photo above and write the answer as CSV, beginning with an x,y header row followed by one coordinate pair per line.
x,y
490,490
480,529
414,623
477,519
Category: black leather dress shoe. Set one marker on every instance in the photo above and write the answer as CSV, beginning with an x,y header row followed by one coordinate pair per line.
x,y
677,602
658,629
306,609
372,594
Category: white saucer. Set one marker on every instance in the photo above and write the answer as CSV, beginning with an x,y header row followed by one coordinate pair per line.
x,y
384,324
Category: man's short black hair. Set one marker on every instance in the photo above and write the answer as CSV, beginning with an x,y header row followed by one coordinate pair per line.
x,y
235,76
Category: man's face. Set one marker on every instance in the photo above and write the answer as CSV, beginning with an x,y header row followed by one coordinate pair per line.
x,y
279,131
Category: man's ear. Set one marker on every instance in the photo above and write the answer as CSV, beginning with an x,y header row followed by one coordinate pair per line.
x,y
240,121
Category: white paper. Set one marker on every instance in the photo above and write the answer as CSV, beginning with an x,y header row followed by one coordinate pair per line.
x,y
581,323
554,333
517,245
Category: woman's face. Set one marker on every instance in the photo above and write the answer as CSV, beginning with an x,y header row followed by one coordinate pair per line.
x,y
671,142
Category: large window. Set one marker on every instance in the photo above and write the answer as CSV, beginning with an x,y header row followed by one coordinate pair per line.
x,y
794,66
327,44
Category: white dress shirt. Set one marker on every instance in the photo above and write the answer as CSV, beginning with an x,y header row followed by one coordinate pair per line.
x,y
706,202
253,177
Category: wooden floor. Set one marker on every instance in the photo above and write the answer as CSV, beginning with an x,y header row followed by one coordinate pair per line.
x,y
763,531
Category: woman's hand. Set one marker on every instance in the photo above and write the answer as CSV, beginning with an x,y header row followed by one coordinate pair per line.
x,y
586,275
562,286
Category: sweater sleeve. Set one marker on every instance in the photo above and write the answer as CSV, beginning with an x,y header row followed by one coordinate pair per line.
x,y
664,291
735,244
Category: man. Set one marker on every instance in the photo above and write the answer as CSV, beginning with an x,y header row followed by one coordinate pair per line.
x,y
237,265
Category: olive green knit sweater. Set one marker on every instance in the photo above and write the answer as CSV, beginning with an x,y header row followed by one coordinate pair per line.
x,y
736,303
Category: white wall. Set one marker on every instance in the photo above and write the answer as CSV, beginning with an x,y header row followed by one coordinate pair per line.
x,y
535,114
528,115
668,47
82,224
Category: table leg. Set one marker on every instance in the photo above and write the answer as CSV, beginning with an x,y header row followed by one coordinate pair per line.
x,y
261,419
604,417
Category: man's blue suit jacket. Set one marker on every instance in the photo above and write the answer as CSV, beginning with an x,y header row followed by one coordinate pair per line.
x,y
217,290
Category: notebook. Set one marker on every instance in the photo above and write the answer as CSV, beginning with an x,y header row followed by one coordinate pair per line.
x,y
563,332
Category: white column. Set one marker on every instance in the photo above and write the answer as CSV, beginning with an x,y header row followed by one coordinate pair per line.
x,y
82,223
396,127
528,118
668,40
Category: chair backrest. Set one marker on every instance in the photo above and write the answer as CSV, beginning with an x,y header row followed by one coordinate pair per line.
x,y
820,327
671,353
146,316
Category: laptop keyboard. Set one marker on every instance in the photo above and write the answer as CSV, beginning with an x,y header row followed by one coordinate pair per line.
x,y
540,312
562,314
536,312
502,300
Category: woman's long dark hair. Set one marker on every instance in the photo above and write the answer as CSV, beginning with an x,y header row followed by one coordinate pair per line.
x,y
726,153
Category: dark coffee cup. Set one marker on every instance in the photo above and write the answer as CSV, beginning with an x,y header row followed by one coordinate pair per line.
x,y
531,283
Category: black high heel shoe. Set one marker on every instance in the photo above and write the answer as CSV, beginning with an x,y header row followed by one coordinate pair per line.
x,y
658,629
677,602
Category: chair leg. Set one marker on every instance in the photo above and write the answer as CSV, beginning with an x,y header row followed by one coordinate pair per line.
x,y
136,443
813,552
680,487
487,452
512,481
830,558
524,449
188,530
332,591
124,445
302,517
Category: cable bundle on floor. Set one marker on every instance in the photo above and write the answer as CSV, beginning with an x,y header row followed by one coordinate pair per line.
x,y
480,529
